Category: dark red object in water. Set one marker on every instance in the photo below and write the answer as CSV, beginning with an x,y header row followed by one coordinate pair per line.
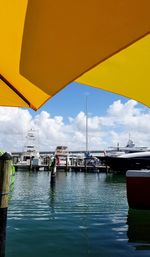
x,y
138,189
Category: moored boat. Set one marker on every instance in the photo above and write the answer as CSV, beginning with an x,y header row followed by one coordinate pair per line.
x,y
62,156
138,189
128,161
30,155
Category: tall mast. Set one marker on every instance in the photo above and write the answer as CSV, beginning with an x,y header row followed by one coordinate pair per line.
x,y
86,121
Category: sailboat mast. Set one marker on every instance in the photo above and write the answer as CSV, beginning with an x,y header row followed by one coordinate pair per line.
x,y
86,127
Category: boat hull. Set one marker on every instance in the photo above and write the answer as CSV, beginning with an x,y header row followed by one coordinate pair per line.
x,y
138,189
124,164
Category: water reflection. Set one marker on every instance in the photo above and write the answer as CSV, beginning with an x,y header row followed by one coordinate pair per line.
x,y
79,215
3,224
115,178
139,228
3,220
52,195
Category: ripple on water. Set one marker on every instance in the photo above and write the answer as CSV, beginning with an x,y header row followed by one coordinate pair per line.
x,y
80,215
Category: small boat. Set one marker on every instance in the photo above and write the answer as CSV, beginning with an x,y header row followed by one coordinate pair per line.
x,y
91,161
138,188
62,156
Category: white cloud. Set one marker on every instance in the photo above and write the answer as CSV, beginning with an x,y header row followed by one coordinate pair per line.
x,y
104,131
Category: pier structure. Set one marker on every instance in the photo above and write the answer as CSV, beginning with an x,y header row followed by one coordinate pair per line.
x,y
74,164
46,155
65,160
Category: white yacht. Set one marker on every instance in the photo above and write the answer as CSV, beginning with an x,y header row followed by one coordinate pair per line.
x,y
62,155
30,154
129,148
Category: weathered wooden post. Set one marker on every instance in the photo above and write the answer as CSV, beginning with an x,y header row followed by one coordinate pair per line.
x,y
66,164
48,162
85,164
53,170
5,168
30,165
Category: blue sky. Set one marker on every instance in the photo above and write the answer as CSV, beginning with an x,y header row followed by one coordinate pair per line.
x,y
71,100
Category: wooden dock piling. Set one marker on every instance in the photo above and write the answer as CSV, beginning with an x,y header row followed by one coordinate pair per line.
x,y
5,168
49,163
66,164
53,170
30,165
85,164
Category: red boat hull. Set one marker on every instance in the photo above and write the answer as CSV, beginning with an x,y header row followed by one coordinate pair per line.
x,y
138,189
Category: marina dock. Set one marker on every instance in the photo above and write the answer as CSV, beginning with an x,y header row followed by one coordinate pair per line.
x,y
61,159
79,168
83,168
28,167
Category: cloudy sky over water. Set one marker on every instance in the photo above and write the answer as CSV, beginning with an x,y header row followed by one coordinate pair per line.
x,y
111,118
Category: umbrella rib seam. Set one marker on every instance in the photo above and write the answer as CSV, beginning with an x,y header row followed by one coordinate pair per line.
x,y
16,91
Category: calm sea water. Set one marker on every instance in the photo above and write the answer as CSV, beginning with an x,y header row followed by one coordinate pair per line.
x,y
80,215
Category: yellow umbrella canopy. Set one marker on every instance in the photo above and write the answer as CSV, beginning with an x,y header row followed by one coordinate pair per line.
x,y
47,44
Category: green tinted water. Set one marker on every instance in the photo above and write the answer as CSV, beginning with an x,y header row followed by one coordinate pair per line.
x,y
80,215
